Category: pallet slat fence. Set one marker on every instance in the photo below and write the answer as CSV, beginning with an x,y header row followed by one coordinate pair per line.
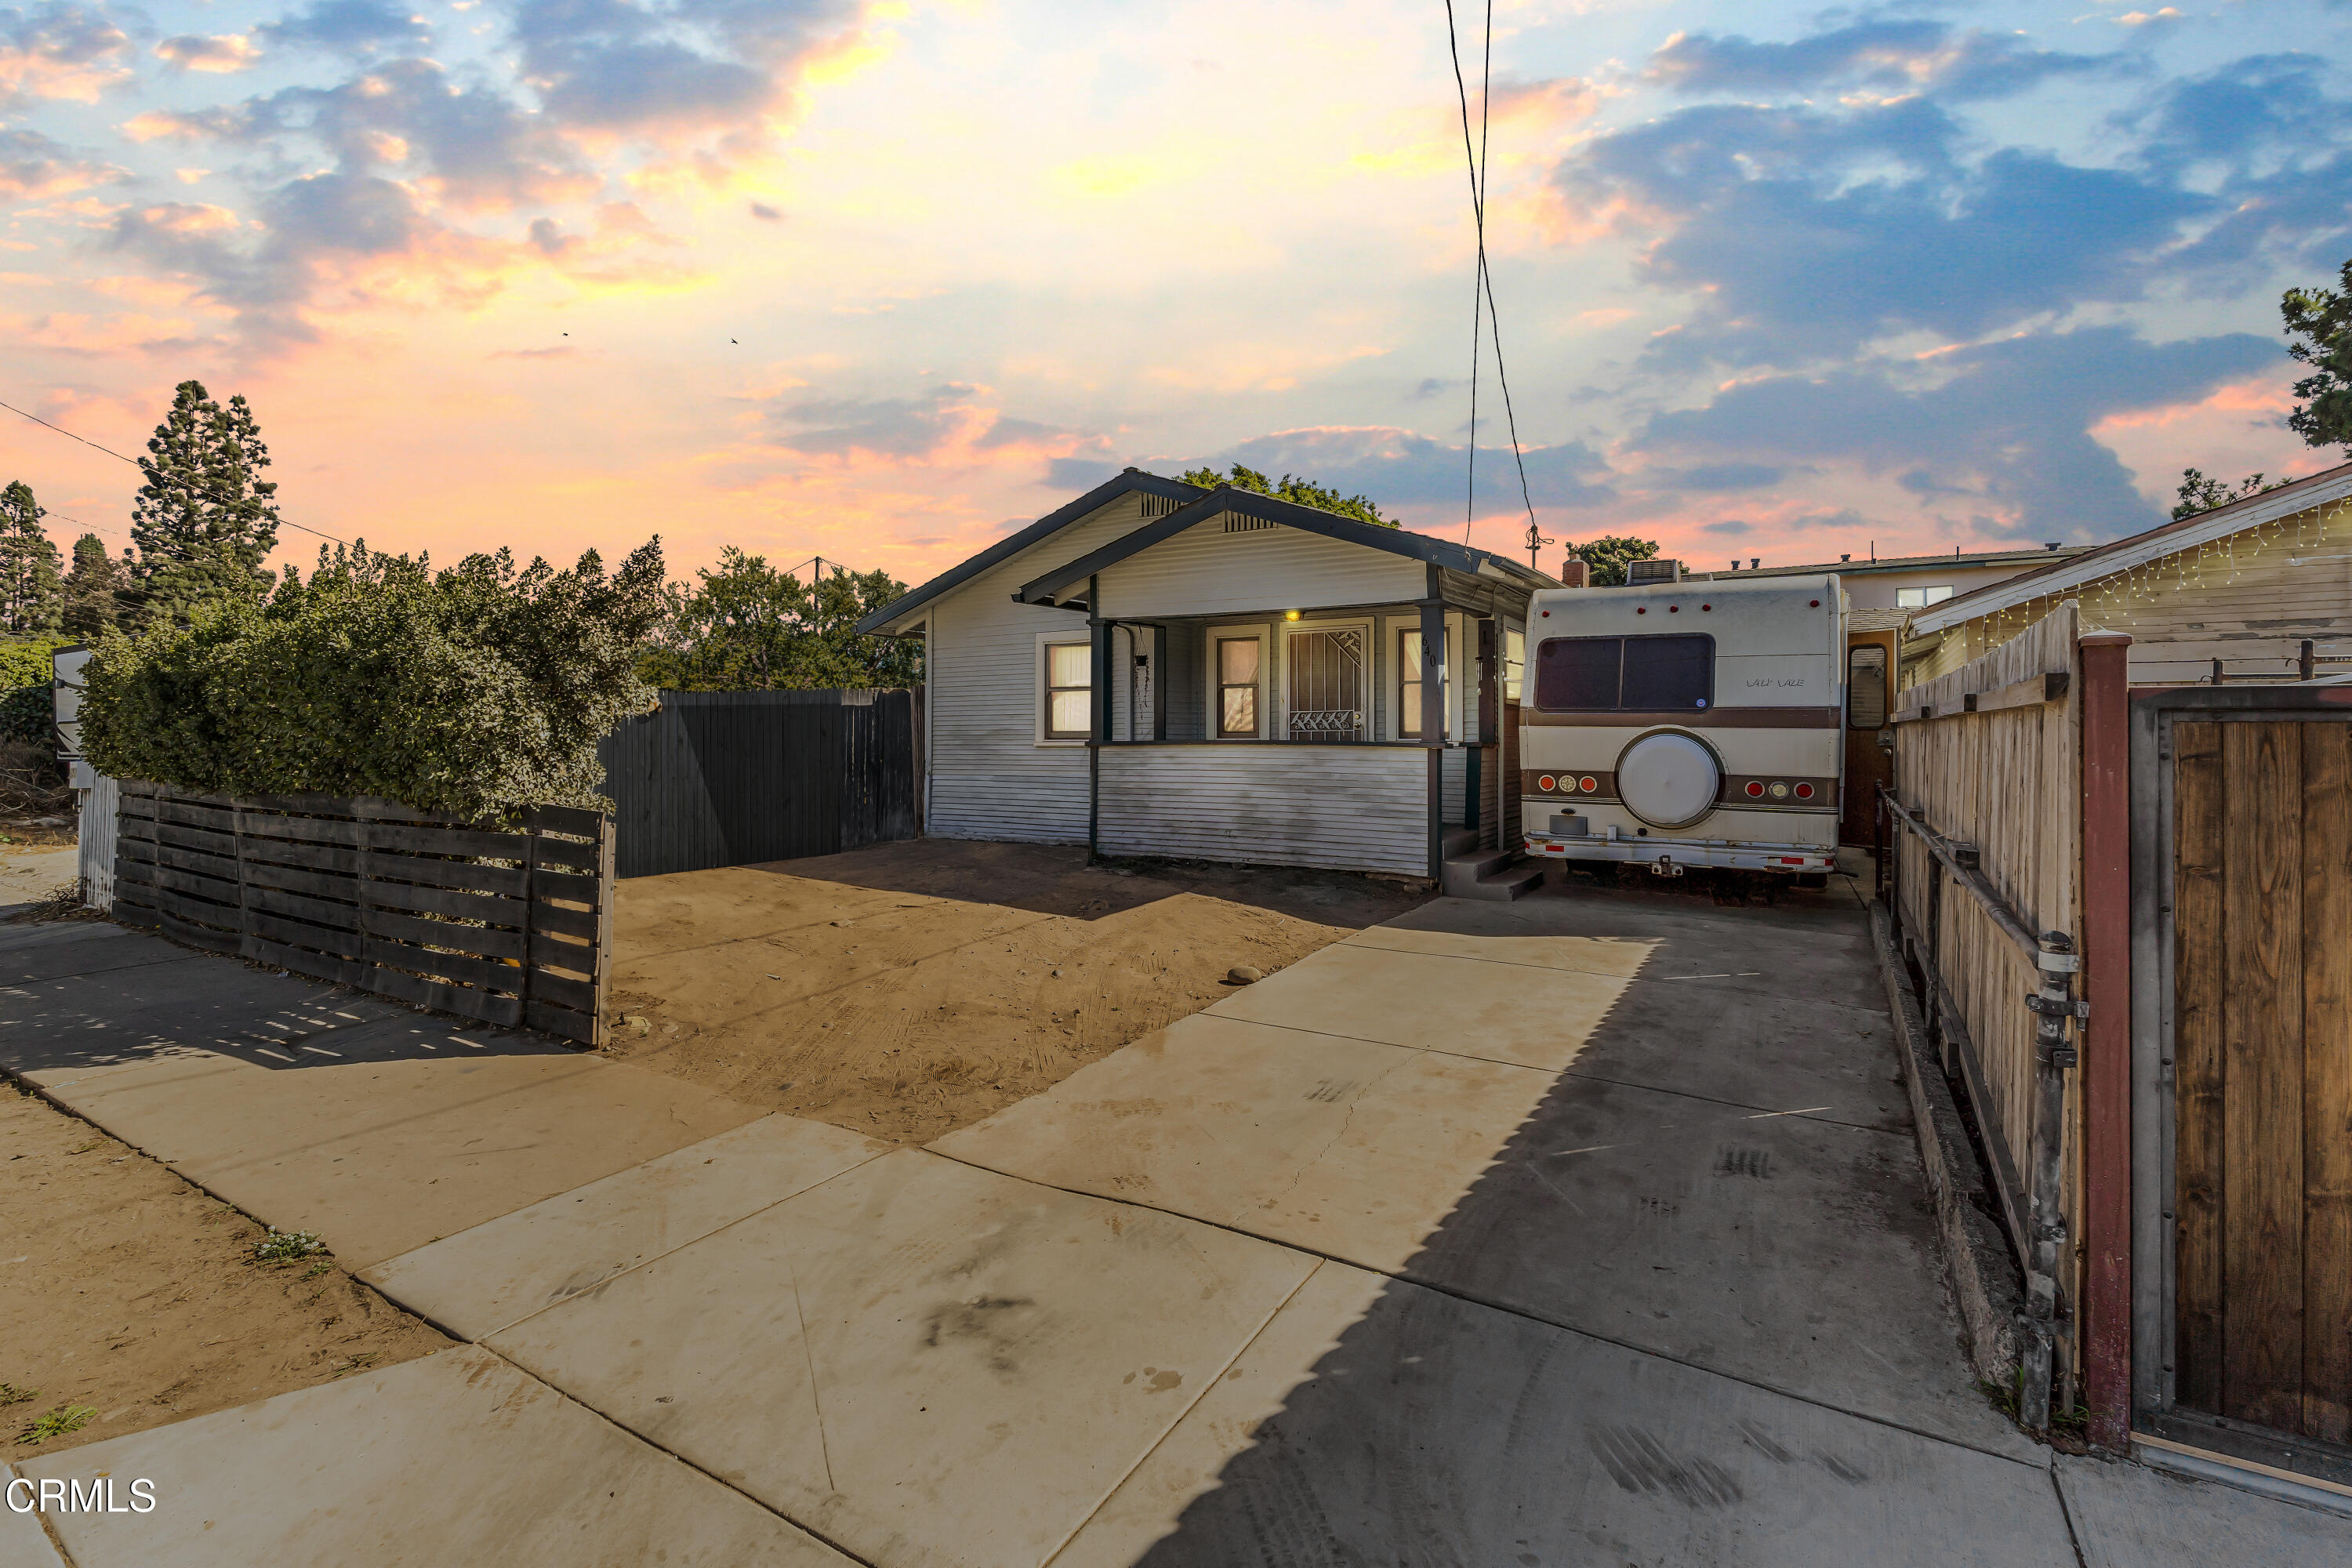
x,y
1986,836
511,927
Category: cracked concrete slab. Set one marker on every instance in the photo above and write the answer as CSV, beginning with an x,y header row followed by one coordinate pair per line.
x,y
1375,1421
925,1362
2129,1516
56,949
1540,1018
482,1279
1344,1147
453,1458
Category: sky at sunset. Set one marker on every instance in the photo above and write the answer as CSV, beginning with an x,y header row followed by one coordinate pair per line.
x,y
880,281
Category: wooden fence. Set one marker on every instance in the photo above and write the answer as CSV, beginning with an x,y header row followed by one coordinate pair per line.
x,y
509,927
1986,834
739,778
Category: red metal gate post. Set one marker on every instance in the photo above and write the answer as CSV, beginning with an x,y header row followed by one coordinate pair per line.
x,y
2106,1038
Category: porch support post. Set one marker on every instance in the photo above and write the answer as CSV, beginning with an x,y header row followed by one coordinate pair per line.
x,y
1433,713
1098,718
2107,1083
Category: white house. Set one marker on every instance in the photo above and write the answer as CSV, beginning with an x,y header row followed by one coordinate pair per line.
x,y
1158,669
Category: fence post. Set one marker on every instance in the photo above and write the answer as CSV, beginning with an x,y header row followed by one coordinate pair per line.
x,y
602,1031
2107,1037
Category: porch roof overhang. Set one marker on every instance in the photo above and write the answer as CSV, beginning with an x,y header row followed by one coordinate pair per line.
x,y
1439,552
894,615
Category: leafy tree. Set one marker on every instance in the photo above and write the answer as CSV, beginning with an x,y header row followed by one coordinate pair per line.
x,y
205,519
2199,493
748,627
1607,556
478,690
1289,488
93,589
32,593
2320,321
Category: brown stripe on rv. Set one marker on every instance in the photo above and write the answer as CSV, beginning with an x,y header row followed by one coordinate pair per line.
x,y
1712,719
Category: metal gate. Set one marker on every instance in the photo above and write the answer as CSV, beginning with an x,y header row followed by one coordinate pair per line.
x,y
1327,685
2242,1047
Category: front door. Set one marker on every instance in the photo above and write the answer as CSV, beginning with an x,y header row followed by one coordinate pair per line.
x,y
1327,685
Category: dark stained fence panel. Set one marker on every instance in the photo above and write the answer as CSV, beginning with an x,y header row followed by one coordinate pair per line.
x,y
463,918
741,778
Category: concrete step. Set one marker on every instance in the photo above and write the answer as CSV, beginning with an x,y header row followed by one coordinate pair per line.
x,y
1459,841
1500,875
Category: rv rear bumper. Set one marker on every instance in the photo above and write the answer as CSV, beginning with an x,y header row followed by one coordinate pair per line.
x,y
1787,857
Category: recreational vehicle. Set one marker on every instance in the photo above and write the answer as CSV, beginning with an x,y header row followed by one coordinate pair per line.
x,y
1680,725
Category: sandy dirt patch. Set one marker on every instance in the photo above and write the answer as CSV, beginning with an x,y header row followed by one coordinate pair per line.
x,y
910,989
135,1296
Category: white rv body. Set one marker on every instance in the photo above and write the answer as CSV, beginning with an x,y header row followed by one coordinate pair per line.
x,y
1721,741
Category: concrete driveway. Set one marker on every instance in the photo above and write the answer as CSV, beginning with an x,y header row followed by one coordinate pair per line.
x,y
1587,1229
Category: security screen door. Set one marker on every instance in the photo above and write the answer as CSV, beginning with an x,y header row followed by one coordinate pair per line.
x,y
1327,685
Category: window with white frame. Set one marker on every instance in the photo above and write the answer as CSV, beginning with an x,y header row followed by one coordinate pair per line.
x,y
1920,598
1241,679
1514,663
1067,698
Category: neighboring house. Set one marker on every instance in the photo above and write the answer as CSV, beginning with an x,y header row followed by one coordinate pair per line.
x,y
1881,594
2244,592
1160,670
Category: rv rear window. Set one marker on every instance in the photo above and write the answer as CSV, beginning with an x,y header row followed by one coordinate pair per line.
x,y
1647,675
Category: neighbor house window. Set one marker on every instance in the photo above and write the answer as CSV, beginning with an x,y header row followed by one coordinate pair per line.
x,y
1515,664
1069,690
1239,662
1410,684
1920,598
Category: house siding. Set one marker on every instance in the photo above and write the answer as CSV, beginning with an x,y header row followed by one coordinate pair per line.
x,y
1204,570
990,778
1360,808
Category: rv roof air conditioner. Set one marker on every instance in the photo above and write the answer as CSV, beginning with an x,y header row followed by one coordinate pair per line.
x,y
1638,572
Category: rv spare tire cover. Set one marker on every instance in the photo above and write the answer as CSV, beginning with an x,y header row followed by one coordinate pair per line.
x,y
1668,780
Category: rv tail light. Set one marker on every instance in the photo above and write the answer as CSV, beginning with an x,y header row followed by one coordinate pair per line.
x,y
1780,790
1588,783
1545,781
1793,860
1755,790
1804,791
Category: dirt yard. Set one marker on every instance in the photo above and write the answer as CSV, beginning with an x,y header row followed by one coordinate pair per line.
x,y
135,1298
910,989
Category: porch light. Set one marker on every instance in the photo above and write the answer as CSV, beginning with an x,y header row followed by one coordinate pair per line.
x,y
1290,614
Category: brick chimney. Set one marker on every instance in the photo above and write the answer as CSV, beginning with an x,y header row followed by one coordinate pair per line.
x,y
1573,573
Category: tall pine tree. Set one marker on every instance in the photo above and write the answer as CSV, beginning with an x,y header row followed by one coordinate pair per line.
x,y
31,592
205,519
93,589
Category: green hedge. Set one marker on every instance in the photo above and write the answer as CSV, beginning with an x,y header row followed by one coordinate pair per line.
x,y
477,691
27,706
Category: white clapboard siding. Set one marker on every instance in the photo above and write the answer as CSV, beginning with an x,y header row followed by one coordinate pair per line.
x,y
1205,571
990,778
1452,783
2249,599
1350,808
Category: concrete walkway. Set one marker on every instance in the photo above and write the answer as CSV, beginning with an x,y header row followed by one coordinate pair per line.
x,y
1581,1230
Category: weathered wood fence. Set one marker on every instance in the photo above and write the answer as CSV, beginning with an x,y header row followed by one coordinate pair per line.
x,y
511,927
739,778
1985,830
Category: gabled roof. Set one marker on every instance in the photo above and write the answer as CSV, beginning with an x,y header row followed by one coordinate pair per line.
x,y
2040,556
1289,514
2058,576
1045,527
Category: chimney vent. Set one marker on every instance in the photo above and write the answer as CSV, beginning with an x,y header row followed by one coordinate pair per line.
x,y
1573,573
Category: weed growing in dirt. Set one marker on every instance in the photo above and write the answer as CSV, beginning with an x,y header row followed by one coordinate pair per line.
x,y
65,1418
316,1269
12,1394
287,1245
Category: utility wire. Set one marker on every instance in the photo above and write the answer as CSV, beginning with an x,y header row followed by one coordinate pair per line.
x,y
1474,157
155,473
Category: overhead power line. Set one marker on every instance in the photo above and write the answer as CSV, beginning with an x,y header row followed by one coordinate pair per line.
x,y
155,473
1483,285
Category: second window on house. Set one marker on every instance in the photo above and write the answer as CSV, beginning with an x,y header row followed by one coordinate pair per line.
x,y
1238,663
1410,684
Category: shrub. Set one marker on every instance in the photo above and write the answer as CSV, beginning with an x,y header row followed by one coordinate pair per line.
x,y
476,691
